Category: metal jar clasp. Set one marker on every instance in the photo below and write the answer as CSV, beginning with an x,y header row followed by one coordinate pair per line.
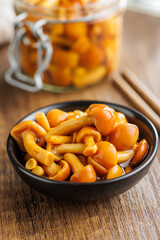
x,y
14,75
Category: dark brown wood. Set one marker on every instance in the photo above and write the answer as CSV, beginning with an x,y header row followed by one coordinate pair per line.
x,y
26,214
136,99
142,90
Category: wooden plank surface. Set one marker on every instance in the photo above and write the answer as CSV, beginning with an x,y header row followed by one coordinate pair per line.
x,y
26,214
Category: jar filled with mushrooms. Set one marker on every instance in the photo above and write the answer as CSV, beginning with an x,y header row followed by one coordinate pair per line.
x,y
62,45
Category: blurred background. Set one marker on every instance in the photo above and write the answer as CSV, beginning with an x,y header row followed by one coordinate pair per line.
x,y
7,15
151,7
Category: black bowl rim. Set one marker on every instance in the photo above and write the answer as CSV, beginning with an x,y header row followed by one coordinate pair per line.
x,y
88,102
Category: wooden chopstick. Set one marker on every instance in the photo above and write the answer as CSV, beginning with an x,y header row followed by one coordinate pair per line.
x,y
136,99
142,89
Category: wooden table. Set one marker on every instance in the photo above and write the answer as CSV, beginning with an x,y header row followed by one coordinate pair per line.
x,y
26,214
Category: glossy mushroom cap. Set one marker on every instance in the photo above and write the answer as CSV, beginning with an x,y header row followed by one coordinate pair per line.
x,y
98,105
124,136
140,152
119,118
85,175
103,118
80,173
56,116
106,155
115,172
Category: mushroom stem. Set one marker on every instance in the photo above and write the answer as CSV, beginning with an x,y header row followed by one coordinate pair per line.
x,y
123,156
80,173
70,126
89,140
74,136
89,135
31,163
59,139
50,148
43,121
35,151
91,147
73,161
63,173
77,148
38,171
28,125
52,169
100,171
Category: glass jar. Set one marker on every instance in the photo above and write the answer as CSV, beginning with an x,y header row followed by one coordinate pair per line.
x,y
63,45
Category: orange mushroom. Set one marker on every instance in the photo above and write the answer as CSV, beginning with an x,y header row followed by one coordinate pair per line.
x,y
70,126
119,118
140,152
123,156
38,170
100,116
29,125
106,155
56,116
103,118
50,148
75,114
74,136
100,171
77,148
35,151
42,121
65,59
80,173
61,76
55,139
89,135
75,30
115,172
82,45
83,78
30,136
98,105
124,136
58,172
92,58
31,164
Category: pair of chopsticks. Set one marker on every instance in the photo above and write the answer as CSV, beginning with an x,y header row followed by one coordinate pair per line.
x,y
140,95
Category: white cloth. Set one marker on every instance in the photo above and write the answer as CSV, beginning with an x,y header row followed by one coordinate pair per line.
x,y
7,16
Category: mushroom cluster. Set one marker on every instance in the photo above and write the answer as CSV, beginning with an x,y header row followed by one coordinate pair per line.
x,y
84,52
98,144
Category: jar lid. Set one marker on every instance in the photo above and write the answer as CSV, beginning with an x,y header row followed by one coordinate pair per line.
x,y
62,11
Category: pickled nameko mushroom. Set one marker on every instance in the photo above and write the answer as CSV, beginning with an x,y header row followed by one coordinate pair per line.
x,y
80,173
80,146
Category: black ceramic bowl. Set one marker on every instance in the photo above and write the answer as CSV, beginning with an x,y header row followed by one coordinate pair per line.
x,y
88,191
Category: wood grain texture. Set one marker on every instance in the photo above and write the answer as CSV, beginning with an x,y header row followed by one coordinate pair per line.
x,y
26,214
